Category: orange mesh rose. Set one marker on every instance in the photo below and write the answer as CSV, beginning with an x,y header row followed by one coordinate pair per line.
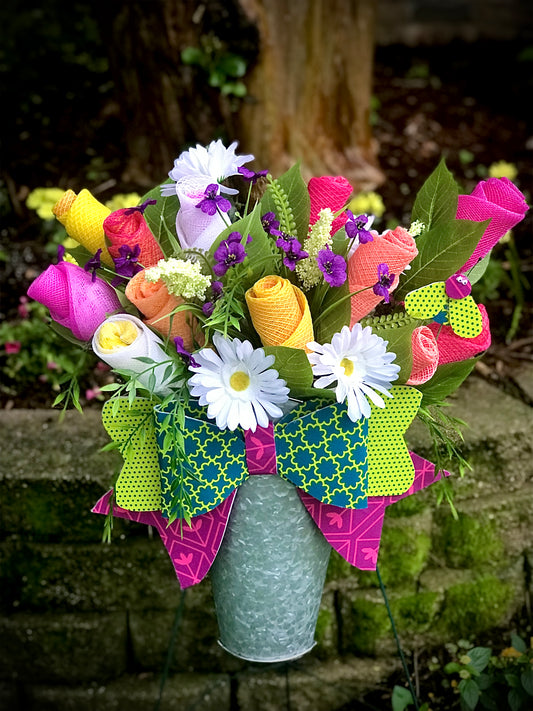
x,y
280,313
156,304
425,355
396,248
83,218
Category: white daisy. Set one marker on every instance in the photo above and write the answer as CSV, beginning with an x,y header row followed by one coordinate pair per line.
x,y
358,360
214,163
237,384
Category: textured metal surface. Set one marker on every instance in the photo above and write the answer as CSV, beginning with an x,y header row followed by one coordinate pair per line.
x,y
269,573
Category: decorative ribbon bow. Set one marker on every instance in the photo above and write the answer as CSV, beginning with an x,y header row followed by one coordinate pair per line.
x,y
318,449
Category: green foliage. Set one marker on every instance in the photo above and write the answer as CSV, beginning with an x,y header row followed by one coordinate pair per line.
x,y
224,69
397,329
495,682
161,219
446,379
288,197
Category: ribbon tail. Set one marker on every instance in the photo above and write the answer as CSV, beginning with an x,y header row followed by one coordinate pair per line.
x,y
192,549
356,533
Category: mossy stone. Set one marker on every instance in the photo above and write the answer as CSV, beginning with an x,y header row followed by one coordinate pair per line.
x,y
472,607
469,541
415,613
403,553
364,624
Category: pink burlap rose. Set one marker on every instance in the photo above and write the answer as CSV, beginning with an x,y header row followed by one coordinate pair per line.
x,y
396,248
453,348
425,356
74,299
329,191
128,227
501,201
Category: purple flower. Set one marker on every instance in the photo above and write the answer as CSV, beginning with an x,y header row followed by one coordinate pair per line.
x,y
60,252
93,264
250,176
384,282
216,288
358,227
332,266
213,201
292,248
127,264
270,224
184,353
140,208
229,253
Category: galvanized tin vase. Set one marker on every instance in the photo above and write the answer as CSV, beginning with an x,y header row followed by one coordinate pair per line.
x,y
269,573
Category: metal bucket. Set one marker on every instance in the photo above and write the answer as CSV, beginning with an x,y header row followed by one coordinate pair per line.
x,y
269,573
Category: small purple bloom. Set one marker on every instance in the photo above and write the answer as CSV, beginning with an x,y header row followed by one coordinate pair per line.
x,y
212,201
140,208
292,248
270,224
93,264
229,253
384,282
184,353
250,176
208,308
60,252
217,288
332,266
358,227
127,264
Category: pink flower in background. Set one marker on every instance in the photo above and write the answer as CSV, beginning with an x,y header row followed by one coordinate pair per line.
x,y
501,201
92,394
74,300
12,347
22,310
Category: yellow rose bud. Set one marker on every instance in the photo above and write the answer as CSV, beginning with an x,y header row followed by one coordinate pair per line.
x,y
114,335
83,218
280,313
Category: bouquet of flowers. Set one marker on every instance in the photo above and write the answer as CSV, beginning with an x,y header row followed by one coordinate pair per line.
x,y
258,327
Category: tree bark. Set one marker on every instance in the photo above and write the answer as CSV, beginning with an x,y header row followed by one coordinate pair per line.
x,y
309,83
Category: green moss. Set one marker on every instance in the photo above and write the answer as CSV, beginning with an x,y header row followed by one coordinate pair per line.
x,y
340,569
367,622
471,608
469,542
415,613
409,506
403,554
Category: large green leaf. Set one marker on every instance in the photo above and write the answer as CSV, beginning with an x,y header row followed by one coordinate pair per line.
x,y
441,252
293,366
436,201
161,218
446,380
397,329
297,194
338,317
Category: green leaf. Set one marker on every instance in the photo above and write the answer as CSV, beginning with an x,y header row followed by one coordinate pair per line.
x,y
293,366
446,380
470,692
193,55
515,700
518,643
297,194
479,269
527,681
397,329
453,668
441,252
232,65
161,218
436,201
479,658
338,317
401,698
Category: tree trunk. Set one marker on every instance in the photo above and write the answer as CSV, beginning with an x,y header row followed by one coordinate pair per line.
x,y
309,82
310,90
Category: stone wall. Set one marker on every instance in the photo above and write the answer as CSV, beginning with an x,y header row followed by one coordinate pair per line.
x,y
87,626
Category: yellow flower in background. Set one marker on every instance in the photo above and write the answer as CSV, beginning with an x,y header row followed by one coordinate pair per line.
x,y
42,200
369,203
501,169
121,200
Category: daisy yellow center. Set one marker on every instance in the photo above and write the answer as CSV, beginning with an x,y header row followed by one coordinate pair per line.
x,y
239,380
348,366
115,335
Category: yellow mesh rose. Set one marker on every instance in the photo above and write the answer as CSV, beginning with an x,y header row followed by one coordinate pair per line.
x,y
83,218
280,313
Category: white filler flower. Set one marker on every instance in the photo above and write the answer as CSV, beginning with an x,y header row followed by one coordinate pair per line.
x,y
358,360
238,384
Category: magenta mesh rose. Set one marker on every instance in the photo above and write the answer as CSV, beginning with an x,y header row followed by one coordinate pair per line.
x,y
497,199
74,299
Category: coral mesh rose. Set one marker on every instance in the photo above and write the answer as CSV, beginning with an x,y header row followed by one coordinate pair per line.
x,y
280,313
